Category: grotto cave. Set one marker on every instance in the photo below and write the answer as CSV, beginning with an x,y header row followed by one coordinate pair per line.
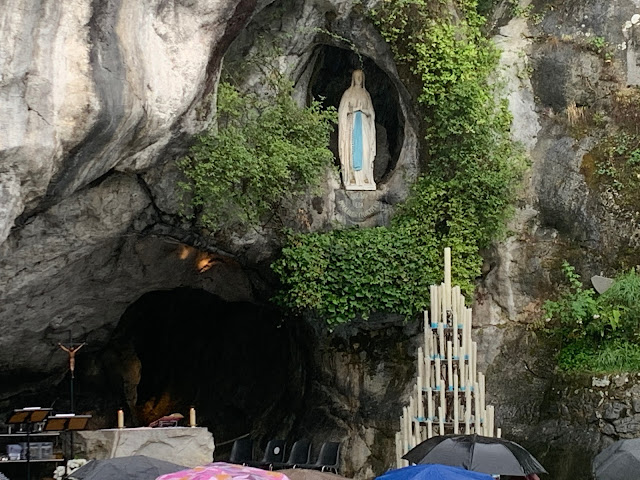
x,y
238,363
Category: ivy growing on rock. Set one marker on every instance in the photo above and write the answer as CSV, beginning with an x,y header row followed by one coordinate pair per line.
x,y
261,152
462,201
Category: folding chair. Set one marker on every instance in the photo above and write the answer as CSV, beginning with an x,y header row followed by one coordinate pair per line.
x,y
242,451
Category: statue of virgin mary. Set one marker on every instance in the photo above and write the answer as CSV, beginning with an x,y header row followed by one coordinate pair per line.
x,y
357,136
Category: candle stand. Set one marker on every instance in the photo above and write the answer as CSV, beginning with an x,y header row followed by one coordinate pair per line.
x,y
449,393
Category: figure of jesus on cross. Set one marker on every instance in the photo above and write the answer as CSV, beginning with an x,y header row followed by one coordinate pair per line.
x,y
71,350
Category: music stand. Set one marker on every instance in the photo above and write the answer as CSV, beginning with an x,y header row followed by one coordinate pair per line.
x,y
67,422
28,415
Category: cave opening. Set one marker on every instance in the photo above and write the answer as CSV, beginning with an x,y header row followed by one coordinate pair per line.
x,y
241,366
332,76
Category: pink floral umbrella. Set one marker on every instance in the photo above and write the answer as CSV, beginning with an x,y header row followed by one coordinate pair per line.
x,y
223,471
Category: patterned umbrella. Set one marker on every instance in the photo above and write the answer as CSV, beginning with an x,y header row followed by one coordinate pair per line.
x,y
224,471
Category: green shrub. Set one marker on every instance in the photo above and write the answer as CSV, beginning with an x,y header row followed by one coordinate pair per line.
x,y
597,332
463,200
263,151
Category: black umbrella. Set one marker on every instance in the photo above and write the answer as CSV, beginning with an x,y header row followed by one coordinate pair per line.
x,y
137,467
494,456
620,460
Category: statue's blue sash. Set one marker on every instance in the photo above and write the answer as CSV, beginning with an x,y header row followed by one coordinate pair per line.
x,y
356,142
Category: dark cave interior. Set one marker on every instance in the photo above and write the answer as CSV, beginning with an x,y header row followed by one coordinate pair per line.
x,y
242,368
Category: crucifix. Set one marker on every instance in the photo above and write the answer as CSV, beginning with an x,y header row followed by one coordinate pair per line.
x,y
71,350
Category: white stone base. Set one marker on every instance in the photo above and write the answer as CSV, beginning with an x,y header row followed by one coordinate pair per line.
x,y
182,445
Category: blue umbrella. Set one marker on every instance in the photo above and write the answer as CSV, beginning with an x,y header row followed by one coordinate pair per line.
x,y
433,471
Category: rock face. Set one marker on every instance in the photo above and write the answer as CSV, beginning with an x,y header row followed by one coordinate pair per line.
x,y
99,97
92,94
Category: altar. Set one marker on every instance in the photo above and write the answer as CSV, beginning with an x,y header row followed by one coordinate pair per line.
x,y
188,446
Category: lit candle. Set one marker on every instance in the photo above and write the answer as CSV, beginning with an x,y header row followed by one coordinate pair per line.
x,y
120,419
192,417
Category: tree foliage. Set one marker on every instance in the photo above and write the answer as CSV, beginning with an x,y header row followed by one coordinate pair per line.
x,y
261,152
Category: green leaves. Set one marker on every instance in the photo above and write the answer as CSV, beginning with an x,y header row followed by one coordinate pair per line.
x,y
463,200
263,152
586,322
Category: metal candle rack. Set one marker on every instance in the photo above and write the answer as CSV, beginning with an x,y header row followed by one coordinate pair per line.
x,y
449,393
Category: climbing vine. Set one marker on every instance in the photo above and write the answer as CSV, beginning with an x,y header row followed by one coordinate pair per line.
x,y
463,199
261,152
